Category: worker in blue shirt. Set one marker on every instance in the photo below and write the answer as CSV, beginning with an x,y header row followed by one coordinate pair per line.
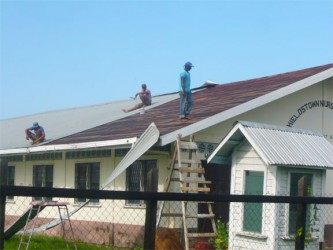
x,y
35,133
185,94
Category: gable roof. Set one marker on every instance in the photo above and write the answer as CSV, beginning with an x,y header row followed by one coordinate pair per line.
x,y
107,123
62,123
212,105
278,145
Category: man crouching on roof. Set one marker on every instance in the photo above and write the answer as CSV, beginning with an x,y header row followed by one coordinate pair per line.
x,y
35,133
145,96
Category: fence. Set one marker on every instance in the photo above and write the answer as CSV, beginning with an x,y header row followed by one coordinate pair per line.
x,y
118,218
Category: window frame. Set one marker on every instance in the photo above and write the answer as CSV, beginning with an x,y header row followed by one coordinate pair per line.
x,y
143,166
10,172
249,208
47,175
93,181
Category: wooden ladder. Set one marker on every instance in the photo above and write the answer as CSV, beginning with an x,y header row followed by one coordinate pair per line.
x,y
191,179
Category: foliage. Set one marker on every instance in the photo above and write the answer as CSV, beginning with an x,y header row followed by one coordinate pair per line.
x,y
221,241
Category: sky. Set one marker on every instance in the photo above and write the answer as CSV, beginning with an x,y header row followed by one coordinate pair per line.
x,y
67,54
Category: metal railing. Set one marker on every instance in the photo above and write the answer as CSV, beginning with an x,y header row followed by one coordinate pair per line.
x,y
112,222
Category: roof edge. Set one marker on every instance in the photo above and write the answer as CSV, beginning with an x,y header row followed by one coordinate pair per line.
x,y
73,146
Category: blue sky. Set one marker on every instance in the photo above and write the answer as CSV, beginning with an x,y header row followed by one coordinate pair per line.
x,y
65,54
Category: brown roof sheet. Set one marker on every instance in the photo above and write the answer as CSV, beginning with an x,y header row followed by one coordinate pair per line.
x,y
206,102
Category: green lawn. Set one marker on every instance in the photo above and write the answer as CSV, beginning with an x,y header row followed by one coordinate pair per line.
x,y
50,243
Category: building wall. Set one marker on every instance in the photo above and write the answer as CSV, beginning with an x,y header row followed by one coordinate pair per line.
x,y
64,177
296,110
245,158
274,234
110,222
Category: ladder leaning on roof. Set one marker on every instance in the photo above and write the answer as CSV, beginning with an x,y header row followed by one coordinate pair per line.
x,y
191,179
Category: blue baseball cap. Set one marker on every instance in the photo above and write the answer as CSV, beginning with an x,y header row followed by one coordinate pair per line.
x,y
189,64
35,125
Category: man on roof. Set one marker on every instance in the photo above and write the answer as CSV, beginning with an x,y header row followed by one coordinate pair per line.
x,y
145,96
35,133
185,100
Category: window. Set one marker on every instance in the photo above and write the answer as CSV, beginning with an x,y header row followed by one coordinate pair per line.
x,y
136,178
43,177
254,185
294,178
87,176
10,179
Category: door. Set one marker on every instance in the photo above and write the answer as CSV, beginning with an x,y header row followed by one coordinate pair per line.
x,y
220,176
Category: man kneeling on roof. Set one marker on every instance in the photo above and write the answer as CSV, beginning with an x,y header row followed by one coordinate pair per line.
x,y
35,133
145,96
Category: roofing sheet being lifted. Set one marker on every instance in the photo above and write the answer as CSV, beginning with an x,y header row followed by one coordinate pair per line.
x,y
145,142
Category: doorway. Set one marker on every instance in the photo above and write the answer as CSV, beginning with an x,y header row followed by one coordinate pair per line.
x,y
220,176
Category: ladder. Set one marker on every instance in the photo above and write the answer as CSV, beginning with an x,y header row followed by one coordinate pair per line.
x,y
37,207
187,163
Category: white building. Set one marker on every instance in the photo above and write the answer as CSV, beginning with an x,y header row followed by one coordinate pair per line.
x,y
270,160
92,141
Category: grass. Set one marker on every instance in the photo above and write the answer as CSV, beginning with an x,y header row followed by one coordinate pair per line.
x,y
50,243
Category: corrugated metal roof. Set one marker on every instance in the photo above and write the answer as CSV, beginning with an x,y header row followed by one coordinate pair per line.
x,y
278,145
66,122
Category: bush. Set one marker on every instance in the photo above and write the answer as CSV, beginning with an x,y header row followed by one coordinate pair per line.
x,y
221,241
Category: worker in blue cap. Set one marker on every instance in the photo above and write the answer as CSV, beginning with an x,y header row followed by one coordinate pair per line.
x,y
35,133
185,101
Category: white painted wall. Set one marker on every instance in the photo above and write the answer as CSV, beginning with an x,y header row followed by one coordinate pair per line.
x,y
64,177
274,233
246,158
281,111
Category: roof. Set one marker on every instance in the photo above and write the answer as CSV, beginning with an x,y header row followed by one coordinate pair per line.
x,y
279,145
62,123
212,105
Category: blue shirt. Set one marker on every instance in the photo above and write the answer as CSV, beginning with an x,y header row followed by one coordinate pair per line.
x,y
187,81
35,129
